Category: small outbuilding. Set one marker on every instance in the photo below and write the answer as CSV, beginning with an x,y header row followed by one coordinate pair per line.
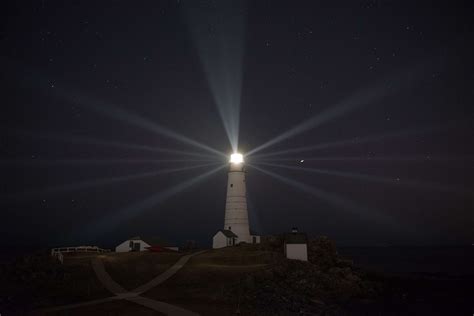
x,y
223,238
255,238
296,245
138,243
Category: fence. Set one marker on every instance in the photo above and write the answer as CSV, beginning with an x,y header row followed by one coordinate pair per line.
x,y
59,252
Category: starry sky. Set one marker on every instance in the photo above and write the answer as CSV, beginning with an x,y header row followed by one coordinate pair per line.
x,y
83,81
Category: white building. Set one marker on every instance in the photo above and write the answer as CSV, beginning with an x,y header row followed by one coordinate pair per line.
x,y
144,244
296,245
223,238
255,239
236,217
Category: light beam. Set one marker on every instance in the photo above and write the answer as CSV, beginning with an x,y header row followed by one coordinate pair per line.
x,y
93,141
111,111
372,158
101,182
218,33
330,198
139,121
355,101
47,162
107,223
366,177
351,141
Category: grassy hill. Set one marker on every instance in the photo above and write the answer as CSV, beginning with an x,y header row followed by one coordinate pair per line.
x,y
217,282
206,283
132,269
245,280
39,280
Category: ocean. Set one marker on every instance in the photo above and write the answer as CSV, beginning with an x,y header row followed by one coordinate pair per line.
x,y
440,260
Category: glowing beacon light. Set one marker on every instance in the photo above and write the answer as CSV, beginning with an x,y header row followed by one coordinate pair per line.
x,y
236,158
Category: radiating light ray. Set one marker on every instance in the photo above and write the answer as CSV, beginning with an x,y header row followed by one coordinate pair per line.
x,y
331,198
101,182
407,183
353,102
218,32
351,141
138,121
93,141
48,162
104,225
372,158
105,109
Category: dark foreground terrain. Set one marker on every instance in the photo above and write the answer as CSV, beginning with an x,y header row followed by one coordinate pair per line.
x,y
250,280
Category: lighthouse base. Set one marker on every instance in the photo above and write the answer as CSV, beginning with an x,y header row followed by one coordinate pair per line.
x,y
226,238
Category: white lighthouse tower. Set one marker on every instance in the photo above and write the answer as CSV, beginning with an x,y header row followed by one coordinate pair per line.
x,y
236,220
236,214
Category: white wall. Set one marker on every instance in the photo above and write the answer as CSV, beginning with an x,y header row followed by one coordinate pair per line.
x,y
297,251
236,214
125,246
220,240
257,239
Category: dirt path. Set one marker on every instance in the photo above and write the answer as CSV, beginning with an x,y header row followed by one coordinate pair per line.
x,y
166,275
134,295
105,278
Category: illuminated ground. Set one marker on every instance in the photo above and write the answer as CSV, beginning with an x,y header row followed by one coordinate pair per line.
x,y
201,286
136,268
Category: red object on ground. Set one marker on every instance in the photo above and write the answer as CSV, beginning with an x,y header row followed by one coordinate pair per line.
x,y
156,249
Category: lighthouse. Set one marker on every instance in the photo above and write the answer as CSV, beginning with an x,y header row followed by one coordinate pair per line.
x,y
236,219
236,215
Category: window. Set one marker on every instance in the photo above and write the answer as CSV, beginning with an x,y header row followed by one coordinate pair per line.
x,y
231,185
131,244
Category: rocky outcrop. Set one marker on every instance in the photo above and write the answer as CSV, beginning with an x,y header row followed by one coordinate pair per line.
x,y
321,285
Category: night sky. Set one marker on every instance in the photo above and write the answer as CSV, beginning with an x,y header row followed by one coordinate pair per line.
x,y
382,90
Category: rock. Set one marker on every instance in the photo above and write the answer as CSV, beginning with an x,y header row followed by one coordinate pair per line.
x,y
308,288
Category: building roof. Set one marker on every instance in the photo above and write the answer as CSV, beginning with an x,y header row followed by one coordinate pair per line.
x,y
228,233
296,238
152,241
